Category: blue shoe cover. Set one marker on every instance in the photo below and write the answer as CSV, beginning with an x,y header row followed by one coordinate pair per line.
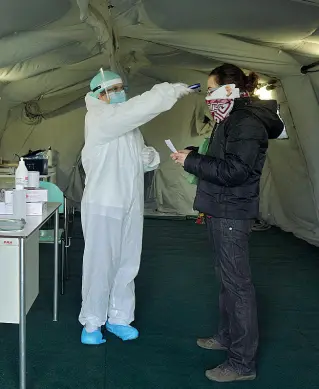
x,y
122,332
92,338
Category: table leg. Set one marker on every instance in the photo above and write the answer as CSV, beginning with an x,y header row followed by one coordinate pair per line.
x,y
56,265
65,270
22,324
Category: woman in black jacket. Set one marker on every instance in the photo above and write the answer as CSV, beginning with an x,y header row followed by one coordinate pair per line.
x,y
228,193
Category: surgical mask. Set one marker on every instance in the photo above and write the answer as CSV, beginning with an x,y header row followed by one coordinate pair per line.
x,y
117,97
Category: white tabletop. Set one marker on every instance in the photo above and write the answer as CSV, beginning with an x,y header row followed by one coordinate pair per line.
x,y
33,223
9,175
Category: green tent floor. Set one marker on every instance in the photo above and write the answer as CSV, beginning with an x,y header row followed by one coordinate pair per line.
x,y
177,301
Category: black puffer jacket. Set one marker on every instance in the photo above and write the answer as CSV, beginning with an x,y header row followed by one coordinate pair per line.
x,y
229,175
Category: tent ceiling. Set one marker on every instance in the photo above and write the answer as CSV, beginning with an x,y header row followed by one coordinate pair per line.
x,y
269,21
17,16
53,50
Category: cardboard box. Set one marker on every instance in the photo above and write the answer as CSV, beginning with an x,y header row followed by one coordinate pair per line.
x,y
33,209
33,196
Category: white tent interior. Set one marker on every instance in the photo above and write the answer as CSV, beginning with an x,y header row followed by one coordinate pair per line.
x,y
51,50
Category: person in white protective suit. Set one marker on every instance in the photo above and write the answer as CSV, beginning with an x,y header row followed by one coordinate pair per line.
x,y
115,159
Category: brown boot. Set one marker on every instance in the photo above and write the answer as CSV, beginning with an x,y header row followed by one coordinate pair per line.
x,y
225,373
210,344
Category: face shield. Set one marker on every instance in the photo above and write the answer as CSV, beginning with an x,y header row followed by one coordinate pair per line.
x,y
109,83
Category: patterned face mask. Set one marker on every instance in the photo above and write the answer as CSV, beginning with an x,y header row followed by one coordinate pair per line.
x,y
220,101
220,108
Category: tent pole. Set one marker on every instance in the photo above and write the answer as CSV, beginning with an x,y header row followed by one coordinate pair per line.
x,y
306,68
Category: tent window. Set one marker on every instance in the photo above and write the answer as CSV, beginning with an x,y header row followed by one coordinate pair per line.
x,y
283,111
284,134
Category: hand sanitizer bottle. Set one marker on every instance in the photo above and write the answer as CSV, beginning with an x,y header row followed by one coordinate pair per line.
x,y
19,200
21,176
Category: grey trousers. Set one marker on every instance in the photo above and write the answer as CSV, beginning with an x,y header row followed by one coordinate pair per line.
x,y
238,327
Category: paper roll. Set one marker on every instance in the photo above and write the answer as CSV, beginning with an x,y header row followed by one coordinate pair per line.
x,y
34,179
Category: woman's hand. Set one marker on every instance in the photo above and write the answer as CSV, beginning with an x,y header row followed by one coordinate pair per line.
x,y
180,156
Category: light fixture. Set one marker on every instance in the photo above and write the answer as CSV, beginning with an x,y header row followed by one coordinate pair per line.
x,y
263,93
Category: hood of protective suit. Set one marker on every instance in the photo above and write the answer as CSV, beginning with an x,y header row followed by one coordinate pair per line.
x,y
92,103
265,111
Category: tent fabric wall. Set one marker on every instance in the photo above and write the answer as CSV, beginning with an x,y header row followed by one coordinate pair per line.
x,y
51,54
184,126
63,133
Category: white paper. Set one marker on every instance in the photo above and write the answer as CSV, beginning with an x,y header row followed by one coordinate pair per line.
x,y
170,145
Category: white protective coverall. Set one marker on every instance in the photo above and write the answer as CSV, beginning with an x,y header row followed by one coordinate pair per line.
x,y
114,159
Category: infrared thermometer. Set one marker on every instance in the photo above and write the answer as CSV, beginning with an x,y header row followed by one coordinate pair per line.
x,y
195,87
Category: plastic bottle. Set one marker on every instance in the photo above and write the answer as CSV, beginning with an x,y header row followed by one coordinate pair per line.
x,y
19,203
49,156
21,176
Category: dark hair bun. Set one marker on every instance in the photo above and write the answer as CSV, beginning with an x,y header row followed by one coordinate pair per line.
x,y
251,82
231,74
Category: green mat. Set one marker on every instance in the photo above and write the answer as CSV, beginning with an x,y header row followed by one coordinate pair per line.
x,y
177,300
